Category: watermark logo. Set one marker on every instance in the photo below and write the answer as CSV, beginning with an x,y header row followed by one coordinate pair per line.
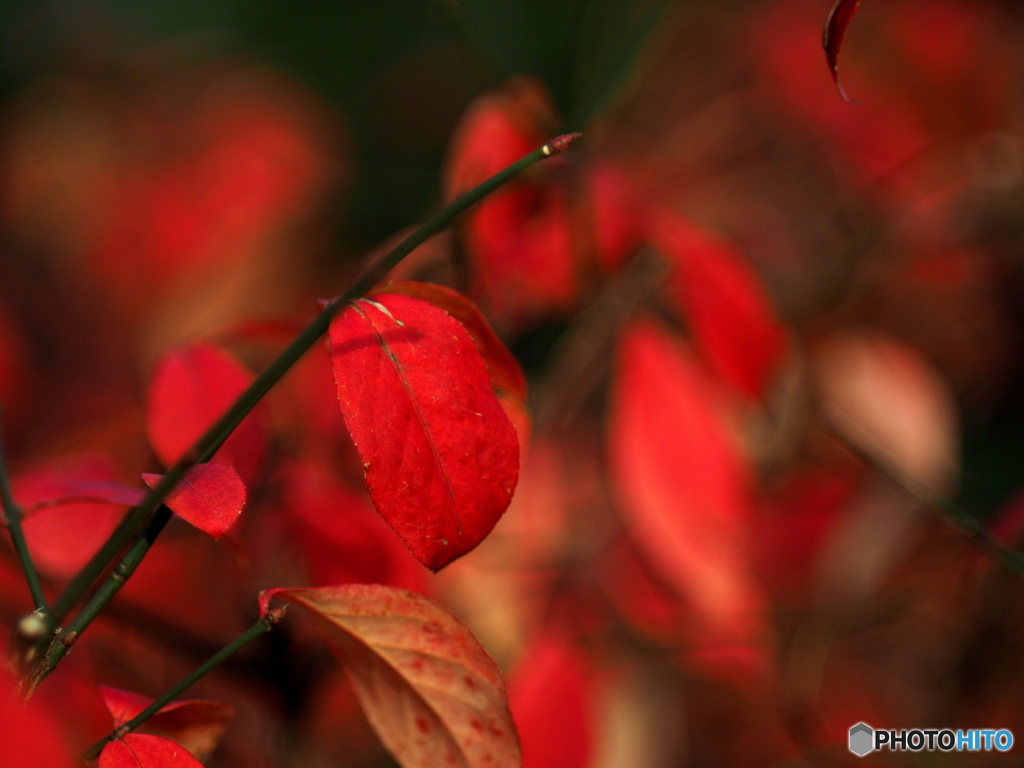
x,y
864,739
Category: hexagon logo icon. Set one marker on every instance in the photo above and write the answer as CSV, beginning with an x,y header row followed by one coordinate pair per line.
x,y
862,738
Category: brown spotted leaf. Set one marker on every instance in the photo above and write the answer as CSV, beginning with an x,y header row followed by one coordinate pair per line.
x,y
429,689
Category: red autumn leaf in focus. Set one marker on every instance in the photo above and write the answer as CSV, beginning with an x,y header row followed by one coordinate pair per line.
x,y
518,239
502,367
731,317
343,539
429,689
209,496
71,507
506,376
29,738
194,724
138,750
838,20
681,483
191,387
550,695
441,457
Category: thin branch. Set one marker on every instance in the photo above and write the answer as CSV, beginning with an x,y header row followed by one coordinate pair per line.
x,y
949,510
151,515
262,626
12,516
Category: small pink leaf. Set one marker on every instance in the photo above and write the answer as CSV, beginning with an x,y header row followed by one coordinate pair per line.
x,y
429,689
838,20
138,750
210,497
441,457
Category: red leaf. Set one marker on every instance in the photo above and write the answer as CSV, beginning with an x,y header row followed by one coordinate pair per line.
x,y
496,130
29,738
343,539
191,387
441,457
518,239
550,696
195,724
838,20
641,596
502,367
428,687
681,483
210,497
138,750
730,316
617,215
13,365
71,507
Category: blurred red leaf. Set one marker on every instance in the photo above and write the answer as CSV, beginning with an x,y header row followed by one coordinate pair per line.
x,y
194,724
838,20
641,595
502,367
617,215
496,130
429,689
191,387
518,239
29,738
138,750
90,492
681,483
730,315
342,538
550,695
71,508
245,159
441,456
793,522
12,366
209,496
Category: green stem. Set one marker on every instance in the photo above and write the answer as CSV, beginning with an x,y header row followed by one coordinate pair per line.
x,y
261,627
12,515
214,437
951,512
121,573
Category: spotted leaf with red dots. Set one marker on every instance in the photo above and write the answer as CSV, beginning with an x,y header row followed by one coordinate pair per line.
x,y
429,689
